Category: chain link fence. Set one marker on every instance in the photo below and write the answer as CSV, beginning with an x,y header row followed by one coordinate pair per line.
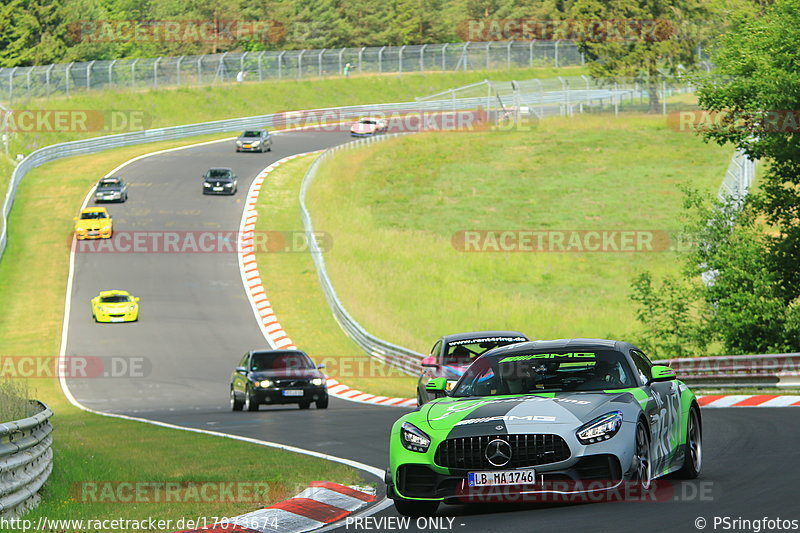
x,y
66,79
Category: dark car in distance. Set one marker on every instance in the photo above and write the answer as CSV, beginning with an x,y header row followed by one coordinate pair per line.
x,y
275,377
220,181
452,354
254,141
111,190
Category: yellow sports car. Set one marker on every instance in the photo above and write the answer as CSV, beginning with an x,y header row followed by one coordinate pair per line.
x,y
115,306
93,223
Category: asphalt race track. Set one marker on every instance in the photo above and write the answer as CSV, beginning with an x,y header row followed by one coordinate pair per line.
x,y
196,323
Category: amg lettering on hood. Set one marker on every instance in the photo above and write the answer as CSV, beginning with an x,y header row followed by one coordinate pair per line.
x,y
529,418
459,407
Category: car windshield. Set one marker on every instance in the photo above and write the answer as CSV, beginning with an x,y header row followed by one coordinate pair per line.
x,y
552,371
367,121
109,187
464,352
251,134
280,361
93,215
219,173
115,299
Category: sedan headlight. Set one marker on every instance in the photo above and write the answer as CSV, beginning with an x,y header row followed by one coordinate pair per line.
x,y
238,143
206,184
256,143
265,383
229,185
601,428
317,382
131,308
413,438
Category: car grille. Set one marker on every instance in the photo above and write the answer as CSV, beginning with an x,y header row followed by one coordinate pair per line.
x,y
291,382
526,450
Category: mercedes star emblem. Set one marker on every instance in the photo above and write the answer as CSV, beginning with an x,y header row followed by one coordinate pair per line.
x,y
498,452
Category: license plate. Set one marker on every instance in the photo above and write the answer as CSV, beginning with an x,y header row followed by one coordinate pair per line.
x,y
292,392
247,146
217,188
502,477
117,319
94,233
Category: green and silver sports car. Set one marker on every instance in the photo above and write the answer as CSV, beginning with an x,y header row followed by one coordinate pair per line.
x,y
537,419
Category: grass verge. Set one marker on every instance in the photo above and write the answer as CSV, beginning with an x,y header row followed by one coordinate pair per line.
x,y
90,448
393,210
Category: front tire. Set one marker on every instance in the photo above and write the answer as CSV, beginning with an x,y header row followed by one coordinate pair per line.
x,y
416,508
643,468
250,401
236,405
305,405
693,458
322,403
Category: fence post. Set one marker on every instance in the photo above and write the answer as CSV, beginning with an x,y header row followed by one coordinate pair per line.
x,y
280,65
616,101
360,57
400,59
380,59
319,62
664,97
178,70
241,62
530,52
111,73
444,56
28,81
488,45
11,84
89,74
47,78
508,54
555,53
341,53
200,69
155,71
68,73
422,58
260,67
300,64
133,73
464,55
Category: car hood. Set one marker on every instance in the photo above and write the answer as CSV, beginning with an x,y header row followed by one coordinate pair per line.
x,y
363,128
92,223
524,413
248,139
287,374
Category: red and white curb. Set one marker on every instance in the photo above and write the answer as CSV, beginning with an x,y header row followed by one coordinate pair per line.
x,y
754,400
321,503
262,308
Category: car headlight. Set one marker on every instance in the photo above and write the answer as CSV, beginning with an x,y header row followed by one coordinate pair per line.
x,y
256,143
238,143
601,428
131,308
317,382
229,185
205,184
413,438
265,383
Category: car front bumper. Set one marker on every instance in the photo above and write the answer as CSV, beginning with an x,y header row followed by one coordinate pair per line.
x,y
259,148
276,396
228,191
131,316
86,235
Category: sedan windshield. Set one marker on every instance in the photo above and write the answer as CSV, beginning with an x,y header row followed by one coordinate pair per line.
x,y
219,173
251,134
533,372
464,352
280,361
93,215
116,299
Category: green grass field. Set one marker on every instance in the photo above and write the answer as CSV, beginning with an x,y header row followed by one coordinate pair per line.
x,y
393,209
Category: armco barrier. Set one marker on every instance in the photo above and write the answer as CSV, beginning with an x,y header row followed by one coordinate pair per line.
x,y
737,371
26,461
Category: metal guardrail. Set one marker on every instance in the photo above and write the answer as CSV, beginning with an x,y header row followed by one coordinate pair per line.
x,y
26,461
139,73
738,371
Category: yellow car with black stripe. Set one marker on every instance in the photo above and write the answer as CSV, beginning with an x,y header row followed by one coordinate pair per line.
x,y
93,223
115,306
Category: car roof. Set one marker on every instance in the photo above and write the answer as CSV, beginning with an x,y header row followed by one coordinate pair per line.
x,y
114,292
561,344
220,168
481,334
110,180
261,352
256,131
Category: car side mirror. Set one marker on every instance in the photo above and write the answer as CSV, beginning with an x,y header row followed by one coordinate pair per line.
x,y
320,366
136,299
241,370
662,373
437,386
429,362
